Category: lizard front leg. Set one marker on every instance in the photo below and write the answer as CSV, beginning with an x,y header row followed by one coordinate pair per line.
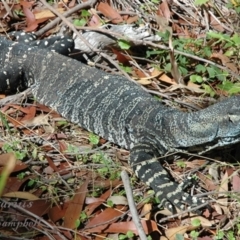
x,y
143,160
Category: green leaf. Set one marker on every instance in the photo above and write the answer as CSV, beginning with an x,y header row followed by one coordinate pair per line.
x,y
94,139
219,235
80,22
196,222
200,2
196,78
154,52
77,223
130,234
229,53
230,87
208,90
236,39
211,72
200,68
167,67
85,13
123,44
183,70
110,203
126,69
20,155
194,234
179,237
181,164
122,237
207,51
31,182
221,37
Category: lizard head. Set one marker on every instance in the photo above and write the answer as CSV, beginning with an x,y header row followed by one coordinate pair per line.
x,y
212,127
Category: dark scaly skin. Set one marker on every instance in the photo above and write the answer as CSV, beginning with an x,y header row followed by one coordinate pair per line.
x,y
120,111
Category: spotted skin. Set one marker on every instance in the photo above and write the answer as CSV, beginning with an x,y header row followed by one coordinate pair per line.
x,y
59,44
121,112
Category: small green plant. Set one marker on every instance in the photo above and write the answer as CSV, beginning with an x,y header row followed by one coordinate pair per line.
x,y
200,2
16,148
32,182
110,203
124,44
82,21
181,164
126,69
231,235
128,235
109,168
21,175
93,139
196,222
72,149
194,235
229,87
19,12
179,236
83,217
234,4
219,235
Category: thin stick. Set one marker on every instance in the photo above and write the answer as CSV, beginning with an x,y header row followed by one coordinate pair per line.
x,y
132,205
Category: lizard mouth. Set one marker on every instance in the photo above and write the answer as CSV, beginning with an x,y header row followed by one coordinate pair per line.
x,y
218,143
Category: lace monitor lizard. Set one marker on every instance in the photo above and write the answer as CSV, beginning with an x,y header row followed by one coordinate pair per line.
x,y
119,111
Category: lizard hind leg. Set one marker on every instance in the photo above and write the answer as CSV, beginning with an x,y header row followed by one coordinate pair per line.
x,y
143,160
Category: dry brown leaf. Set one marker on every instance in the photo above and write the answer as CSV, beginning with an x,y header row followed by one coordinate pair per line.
x,y
14,184
226,61
45,14
22,195
171,233
58,212
223,199
215,24
122,58
236,183
91,207
163,238
167,79
144,82
95,21
32,24
48,170
193,87
132,19
101,221
38,207
51,164
37,121
181,86
30,113
195,163
164,11
124,227
208,183
75,206
218,209
146,211
109,12
118,200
